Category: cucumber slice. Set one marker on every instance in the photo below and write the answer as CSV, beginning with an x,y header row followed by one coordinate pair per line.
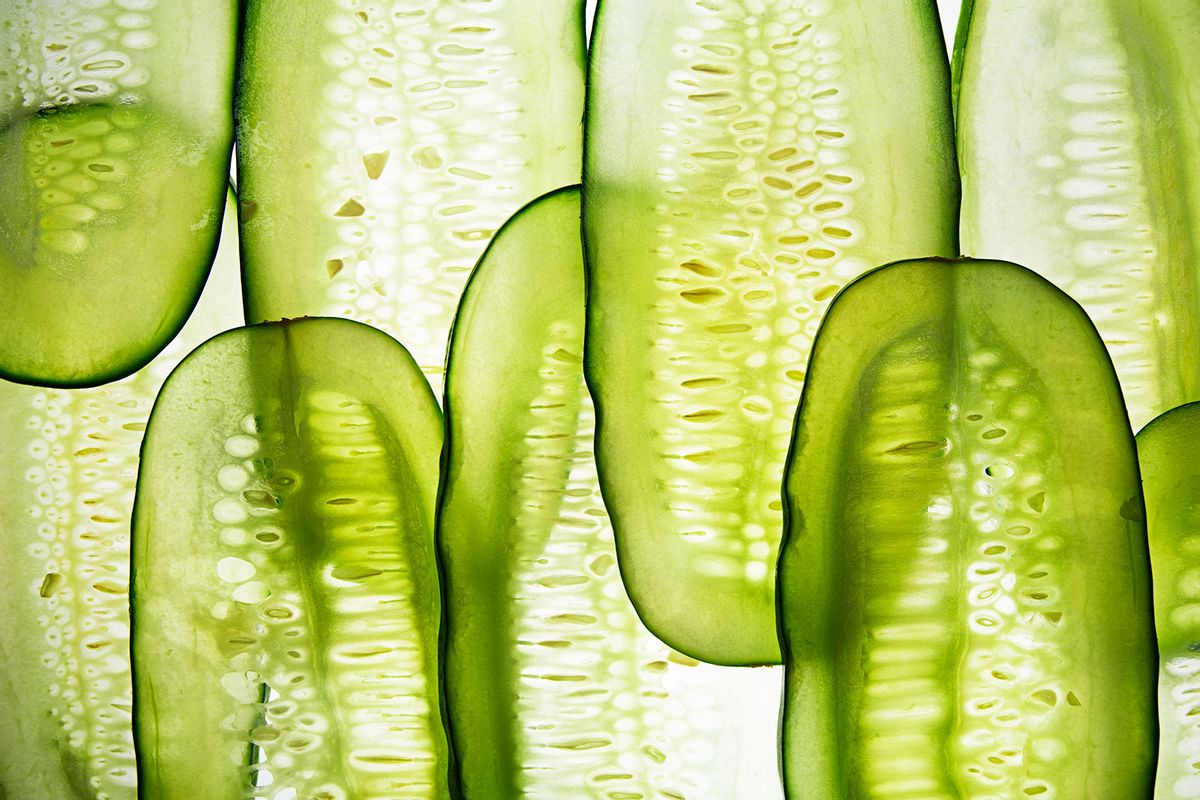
x,y
743,162
965,589
1171,481
67,482
285,593
116,127
553,686
1078,139
375,171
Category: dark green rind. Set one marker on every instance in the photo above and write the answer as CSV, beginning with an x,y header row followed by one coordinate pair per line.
x,y
374,172
1167,450
493,364
102,254
330,436
1078,146
691,465
971,446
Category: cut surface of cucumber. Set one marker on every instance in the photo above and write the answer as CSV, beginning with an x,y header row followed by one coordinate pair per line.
x,y
553,686
67,481
116,128
1078,141
1171,479
743,161
285,592
964,586
374,172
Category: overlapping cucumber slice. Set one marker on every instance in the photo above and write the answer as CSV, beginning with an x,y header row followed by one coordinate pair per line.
x,y
116,127
375,170
744,160
554,687
964,581
1078,141
285,593
1171,479
70,465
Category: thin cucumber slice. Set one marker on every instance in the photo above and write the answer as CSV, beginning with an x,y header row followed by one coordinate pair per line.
x,y
374,172
115,129
67,481
1078,139
744,160
285,591
964,588
553,686
1171,480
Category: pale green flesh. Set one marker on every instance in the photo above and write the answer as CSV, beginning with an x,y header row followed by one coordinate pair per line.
x,y
68,481
375,172
1077,137
107,139
288,557
742,164
1171,478
965,592
554,687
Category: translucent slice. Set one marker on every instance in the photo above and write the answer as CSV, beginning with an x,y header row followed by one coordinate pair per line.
x,y
1171,479
115,126
67,480
554,687
1078,139
376,169
744,161
964,585
286,599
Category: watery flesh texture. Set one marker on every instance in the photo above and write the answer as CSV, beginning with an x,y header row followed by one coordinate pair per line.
x,y
753,167
424,126
1077,137
543,641
310,596
959,658
68,487
100,146
1166,451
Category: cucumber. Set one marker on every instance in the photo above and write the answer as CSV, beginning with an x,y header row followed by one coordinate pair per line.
x,y
67,482
1171,481
553,686
374,172
1078,140
116,129
285,595
743,161
964,588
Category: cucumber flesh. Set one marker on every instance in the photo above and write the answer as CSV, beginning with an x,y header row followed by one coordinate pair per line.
x,y
965,594
743,161
374,173
285,593
1171,479
68,484
117,130
1078,142
554,687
